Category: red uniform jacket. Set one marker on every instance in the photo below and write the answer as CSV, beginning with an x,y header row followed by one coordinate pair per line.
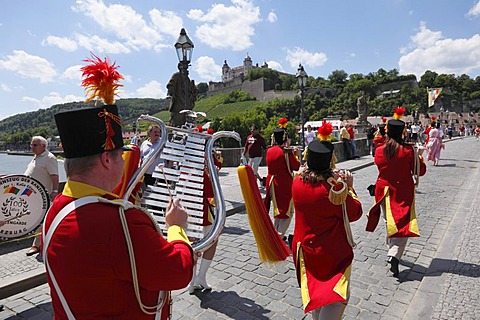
x,y
279,181
321,252
89,259
395,186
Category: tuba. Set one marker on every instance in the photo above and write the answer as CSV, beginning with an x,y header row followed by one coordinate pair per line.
x,y
186,152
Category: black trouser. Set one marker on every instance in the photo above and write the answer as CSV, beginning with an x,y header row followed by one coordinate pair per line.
x,y
348,148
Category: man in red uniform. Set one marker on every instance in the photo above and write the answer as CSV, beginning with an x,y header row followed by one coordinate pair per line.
x,y
104,257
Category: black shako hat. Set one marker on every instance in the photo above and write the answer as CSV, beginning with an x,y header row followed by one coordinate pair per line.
x,y
319,155
395,129
89,131
381,129
280,135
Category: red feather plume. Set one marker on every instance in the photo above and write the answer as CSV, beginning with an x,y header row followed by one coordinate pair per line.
x,y
399,112
101,78
325,131
384,120
282,123
210,131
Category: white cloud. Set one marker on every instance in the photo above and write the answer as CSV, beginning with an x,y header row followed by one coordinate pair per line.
x,y
475,10
73,73
207,69
61,42
272,17
457,56
153,89
167,22
124,22
97,44
52,99
425,38
226,27
275,65
5,87
29,66
307,59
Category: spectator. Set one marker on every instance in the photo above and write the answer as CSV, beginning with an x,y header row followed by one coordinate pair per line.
x,y
254,147
345,136
44,168
310,135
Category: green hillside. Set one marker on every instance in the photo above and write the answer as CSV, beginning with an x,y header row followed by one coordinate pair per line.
x,y
214,107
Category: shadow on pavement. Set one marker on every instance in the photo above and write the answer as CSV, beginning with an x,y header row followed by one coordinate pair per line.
x,y
438,267
231,304
9,246
235,230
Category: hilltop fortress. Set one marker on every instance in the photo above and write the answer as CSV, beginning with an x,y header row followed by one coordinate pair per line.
x,y
234,79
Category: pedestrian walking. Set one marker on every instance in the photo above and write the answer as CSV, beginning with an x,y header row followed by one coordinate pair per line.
x,y
253,149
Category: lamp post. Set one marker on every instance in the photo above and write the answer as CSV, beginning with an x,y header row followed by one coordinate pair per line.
x,y
184,47
302,83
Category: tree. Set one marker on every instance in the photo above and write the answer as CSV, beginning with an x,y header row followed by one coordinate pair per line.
x,y
202,88
338,78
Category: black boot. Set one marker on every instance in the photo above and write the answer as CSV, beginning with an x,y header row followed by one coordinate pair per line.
x,y
393,265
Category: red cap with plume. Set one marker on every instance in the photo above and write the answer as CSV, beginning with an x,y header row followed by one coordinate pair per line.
x,y
282,123
100,79
399,112
384,120
199,128
325,131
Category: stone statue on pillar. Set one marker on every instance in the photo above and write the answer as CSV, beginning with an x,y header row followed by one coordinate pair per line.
x,y
362,109
179,100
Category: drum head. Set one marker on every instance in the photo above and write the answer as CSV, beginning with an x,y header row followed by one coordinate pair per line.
x,y
23,203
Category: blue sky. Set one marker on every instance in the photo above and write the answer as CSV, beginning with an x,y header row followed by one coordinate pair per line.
x,y
43,43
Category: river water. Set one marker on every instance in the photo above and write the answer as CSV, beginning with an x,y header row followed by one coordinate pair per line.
x,y
13,164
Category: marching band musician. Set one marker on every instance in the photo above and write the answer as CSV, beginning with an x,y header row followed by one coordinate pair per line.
x,y
104,257
395,189
322,244
281,162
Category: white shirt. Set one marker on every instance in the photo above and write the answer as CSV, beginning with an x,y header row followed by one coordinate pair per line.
x,y
42,167
415,128
145,149
309,136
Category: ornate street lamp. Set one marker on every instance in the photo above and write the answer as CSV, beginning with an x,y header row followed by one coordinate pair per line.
x,y
184,47
302,83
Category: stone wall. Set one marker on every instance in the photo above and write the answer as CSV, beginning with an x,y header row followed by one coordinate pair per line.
x,y
231,156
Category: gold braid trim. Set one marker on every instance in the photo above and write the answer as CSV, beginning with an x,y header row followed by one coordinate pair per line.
x,y
338,192
109,145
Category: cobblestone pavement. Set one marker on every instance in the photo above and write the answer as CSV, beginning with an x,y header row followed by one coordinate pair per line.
x,y
438,274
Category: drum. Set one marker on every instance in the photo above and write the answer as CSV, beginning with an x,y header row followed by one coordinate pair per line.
x,y
23,203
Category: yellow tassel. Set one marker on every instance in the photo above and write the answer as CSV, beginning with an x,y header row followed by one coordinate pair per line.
x,y
271,247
